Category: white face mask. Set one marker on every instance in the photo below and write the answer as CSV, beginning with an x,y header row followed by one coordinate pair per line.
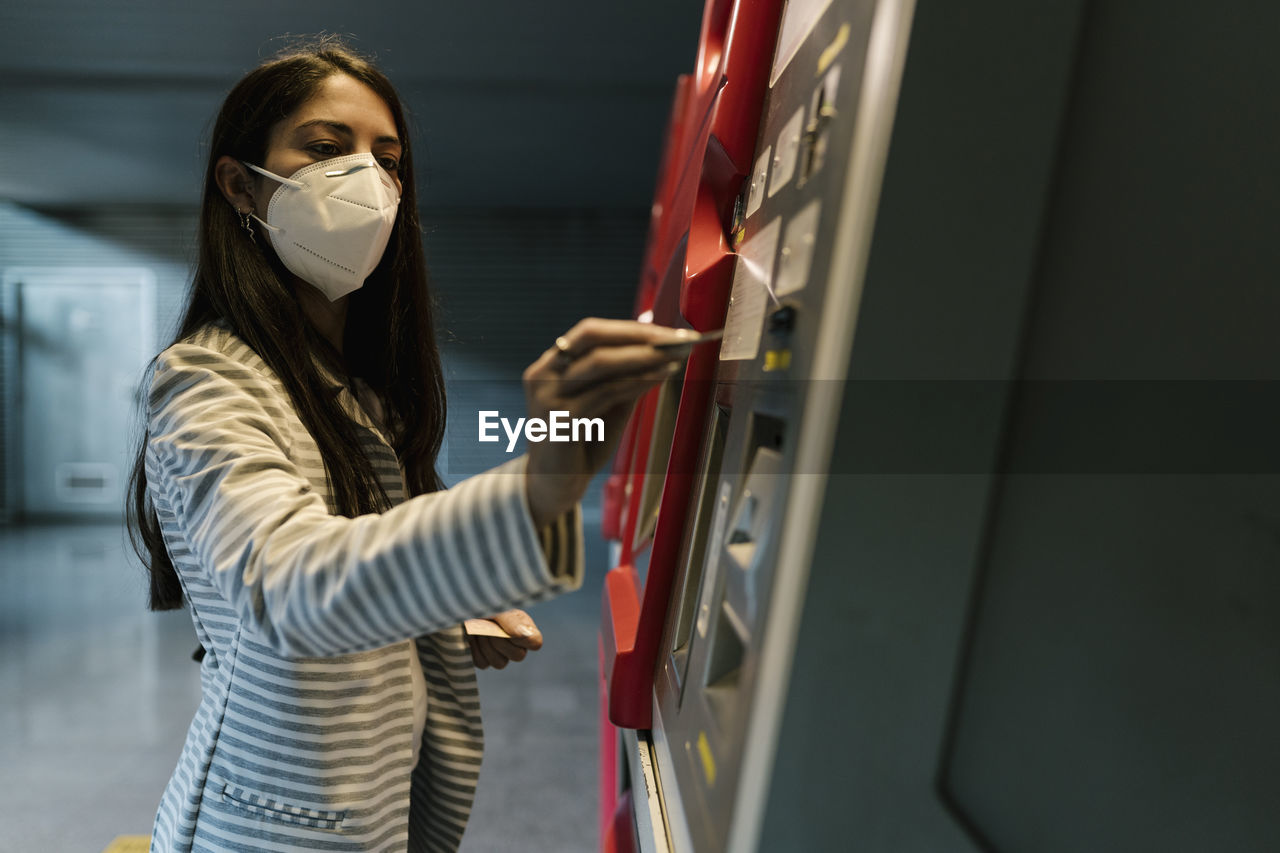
x,y
329,222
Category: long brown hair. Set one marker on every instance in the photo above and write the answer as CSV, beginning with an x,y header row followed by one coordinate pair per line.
x,y
390,339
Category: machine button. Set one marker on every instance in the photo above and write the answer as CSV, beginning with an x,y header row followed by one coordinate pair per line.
x,y
783,319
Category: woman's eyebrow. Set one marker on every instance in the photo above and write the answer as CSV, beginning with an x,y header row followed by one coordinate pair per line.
x,y
344,129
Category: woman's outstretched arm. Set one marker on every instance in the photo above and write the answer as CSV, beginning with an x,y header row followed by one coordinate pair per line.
x,y
308,583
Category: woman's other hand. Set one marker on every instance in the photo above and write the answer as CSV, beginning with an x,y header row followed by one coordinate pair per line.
x,y
598,369
497,652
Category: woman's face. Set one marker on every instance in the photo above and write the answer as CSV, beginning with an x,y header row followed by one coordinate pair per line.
x,y
344,117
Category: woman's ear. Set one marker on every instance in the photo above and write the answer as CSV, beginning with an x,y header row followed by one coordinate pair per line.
x,y
235,183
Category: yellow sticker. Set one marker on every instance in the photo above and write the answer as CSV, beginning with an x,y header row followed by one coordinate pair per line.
x,y
777,359
829,55
129,844
708,761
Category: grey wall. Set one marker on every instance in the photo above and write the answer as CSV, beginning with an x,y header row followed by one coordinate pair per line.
x,y
553,104
537,130
507,281
510,283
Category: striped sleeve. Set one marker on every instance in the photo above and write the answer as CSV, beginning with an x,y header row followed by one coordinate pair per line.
x,y
312,584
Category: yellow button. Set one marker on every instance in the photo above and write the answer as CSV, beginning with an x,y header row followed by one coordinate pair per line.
x,y
777,359
708,760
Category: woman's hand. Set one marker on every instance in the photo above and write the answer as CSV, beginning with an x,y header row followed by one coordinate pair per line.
x,y
598,369
497,652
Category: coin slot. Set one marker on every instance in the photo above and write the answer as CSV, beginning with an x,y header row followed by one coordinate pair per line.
x,y
814,143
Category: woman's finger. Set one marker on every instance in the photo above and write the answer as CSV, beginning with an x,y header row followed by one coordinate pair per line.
x,y
521,628
477,656
593,332
604,364
606,396
489,653
545,367
496,659
507,649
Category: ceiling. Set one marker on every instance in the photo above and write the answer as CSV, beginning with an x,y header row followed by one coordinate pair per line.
x,y
558,103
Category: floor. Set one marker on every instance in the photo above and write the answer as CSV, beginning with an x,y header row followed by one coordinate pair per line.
x,y
96,694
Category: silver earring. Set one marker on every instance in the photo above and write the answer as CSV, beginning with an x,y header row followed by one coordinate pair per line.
x,y
246,223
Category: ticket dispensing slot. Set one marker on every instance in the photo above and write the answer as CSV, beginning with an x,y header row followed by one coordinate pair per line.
x,y
813,145
744,545
750,518
749,535
664,427
719,597
706,519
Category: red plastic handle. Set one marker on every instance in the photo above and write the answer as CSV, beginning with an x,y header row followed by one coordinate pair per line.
x,y
717,139
726,160
713,43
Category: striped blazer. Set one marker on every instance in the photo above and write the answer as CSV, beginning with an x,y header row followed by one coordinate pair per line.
x,y
312,622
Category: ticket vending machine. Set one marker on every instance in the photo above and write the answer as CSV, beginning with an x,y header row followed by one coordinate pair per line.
x,y
686,280
678,493
802,230
980,543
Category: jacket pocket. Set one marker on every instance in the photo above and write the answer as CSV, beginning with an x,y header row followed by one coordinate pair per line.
x,y
271,809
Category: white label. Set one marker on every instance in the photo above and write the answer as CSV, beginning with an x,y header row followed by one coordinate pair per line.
x,y
796,255
752,291
758,178
788,149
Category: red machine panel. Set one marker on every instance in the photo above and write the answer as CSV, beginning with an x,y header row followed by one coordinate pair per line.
x,y
686,281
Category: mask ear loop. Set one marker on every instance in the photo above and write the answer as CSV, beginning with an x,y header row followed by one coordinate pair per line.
x,y
288,182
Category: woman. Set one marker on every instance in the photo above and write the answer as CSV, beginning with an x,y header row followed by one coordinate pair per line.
x,y
295,508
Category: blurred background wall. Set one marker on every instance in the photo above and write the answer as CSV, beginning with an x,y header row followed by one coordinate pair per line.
x,y
538,125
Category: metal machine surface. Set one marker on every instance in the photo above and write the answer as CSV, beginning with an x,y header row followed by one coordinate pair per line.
x,y
686,280
982,550
804,226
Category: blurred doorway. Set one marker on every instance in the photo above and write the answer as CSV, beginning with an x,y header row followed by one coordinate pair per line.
x,y
77,342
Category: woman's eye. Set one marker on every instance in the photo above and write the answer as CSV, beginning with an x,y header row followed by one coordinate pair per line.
x,y
391,164
325,149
